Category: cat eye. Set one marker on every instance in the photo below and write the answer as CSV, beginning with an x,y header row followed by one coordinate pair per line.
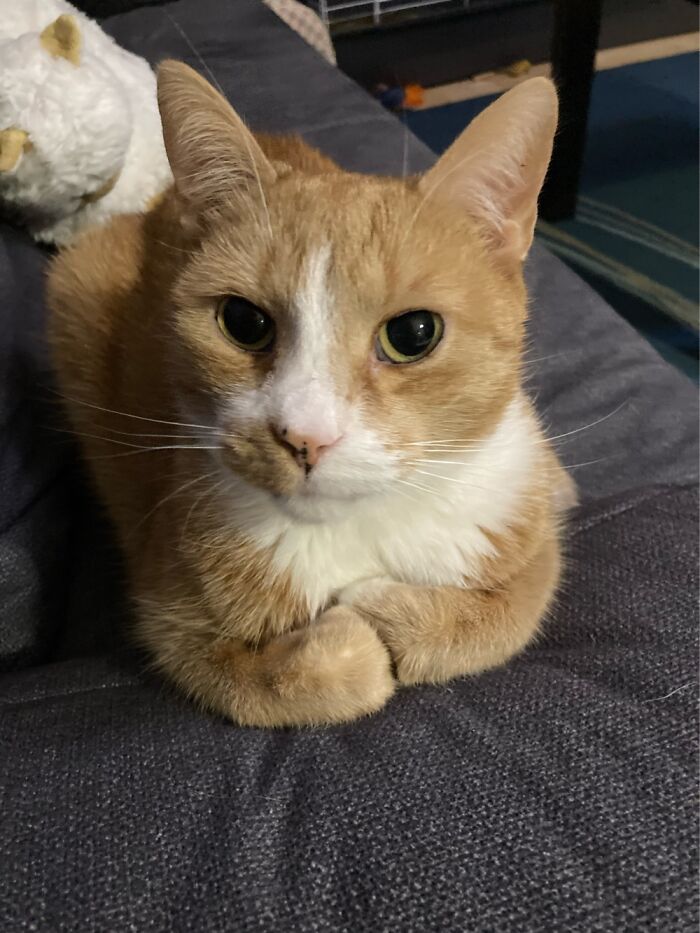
x,y
409,336
245,324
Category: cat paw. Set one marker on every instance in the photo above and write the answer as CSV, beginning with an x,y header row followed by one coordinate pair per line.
x,y
335,670
364,592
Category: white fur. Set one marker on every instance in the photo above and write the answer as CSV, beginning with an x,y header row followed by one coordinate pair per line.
x,y
430,536
303,397
86,123
299,394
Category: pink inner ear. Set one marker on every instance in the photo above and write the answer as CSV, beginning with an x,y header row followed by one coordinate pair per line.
x,y
511,240
495,169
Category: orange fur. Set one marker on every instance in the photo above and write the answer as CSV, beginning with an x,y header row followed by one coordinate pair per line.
x,y
135,344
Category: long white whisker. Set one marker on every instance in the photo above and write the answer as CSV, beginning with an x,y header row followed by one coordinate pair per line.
x,y
439,445
404,160
146,450
179,489
433,492
175,249
113,440
593,424
212,77
124,414
195,51
182,437
431,191
460,482
207,492
407,495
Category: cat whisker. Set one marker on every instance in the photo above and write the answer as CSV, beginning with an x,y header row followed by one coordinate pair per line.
x,y
459,482
175,249
421,488
431,191
575,466
145,450
195,51
586,427
175,492
113,440
404,160
452,444
200,58
527,361
407,495
475,470
207,492
125,414
180,437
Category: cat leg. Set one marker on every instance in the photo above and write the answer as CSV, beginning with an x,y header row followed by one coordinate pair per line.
x,y
436,633
334,670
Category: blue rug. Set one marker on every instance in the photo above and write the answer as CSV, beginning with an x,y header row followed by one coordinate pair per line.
x,y
635,236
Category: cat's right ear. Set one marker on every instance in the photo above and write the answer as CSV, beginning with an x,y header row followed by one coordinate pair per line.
x,y
214,157
496,168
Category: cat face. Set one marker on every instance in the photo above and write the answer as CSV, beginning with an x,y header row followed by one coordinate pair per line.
x,y
65,123
333,326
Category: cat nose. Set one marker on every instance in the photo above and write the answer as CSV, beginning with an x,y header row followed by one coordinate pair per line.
x,y
306,448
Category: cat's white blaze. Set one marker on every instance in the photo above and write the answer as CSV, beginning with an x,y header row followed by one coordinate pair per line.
x,y
300,394
429,536
303,396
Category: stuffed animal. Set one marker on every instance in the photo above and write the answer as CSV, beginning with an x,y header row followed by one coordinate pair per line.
x,y
80,133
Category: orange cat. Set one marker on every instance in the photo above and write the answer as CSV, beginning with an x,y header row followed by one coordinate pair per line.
x,y
299,393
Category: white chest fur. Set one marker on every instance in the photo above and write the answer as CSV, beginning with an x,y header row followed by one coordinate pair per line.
x,y
428,530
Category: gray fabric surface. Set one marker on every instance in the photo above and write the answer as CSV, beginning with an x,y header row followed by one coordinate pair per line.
x,y
556,793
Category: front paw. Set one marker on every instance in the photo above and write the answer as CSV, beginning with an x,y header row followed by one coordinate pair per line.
x,y
415,640
334,670
367,592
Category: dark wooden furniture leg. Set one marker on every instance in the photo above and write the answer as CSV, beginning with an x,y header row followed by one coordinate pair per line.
x,y
574,44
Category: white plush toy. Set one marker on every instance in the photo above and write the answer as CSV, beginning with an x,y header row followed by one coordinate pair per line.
x,y
80,133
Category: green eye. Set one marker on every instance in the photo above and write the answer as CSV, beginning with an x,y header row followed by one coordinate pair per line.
x,y
245,324
409,336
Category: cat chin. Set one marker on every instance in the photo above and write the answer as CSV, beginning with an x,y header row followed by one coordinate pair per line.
x,y
315,509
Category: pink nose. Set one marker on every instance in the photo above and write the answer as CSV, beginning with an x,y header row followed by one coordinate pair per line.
x,y
306,449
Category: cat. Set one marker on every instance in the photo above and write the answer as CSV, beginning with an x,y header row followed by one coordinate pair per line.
x,y
298,390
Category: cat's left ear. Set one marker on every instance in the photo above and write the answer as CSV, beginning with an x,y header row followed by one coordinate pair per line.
x,y
496,168
213,155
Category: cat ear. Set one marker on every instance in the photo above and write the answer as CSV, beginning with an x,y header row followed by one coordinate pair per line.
x,y
496,168
13,143
62,39
211,151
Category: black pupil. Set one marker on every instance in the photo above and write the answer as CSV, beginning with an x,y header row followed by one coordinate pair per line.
x,y
412,332
246,323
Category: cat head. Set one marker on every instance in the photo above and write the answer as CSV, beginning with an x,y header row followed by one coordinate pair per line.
x,y
334,325
65,123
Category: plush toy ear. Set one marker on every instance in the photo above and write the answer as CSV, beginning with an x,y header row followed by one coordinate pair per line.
x,y
62,39
496,168
13,143
213,155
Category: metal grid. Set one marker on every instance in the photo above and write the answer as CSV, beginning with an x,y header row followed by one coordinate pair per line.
x,y
340,11
379,12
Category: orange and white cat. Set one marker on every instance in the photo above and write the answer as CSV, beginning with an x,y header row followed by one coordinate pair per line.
x,y
299,393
